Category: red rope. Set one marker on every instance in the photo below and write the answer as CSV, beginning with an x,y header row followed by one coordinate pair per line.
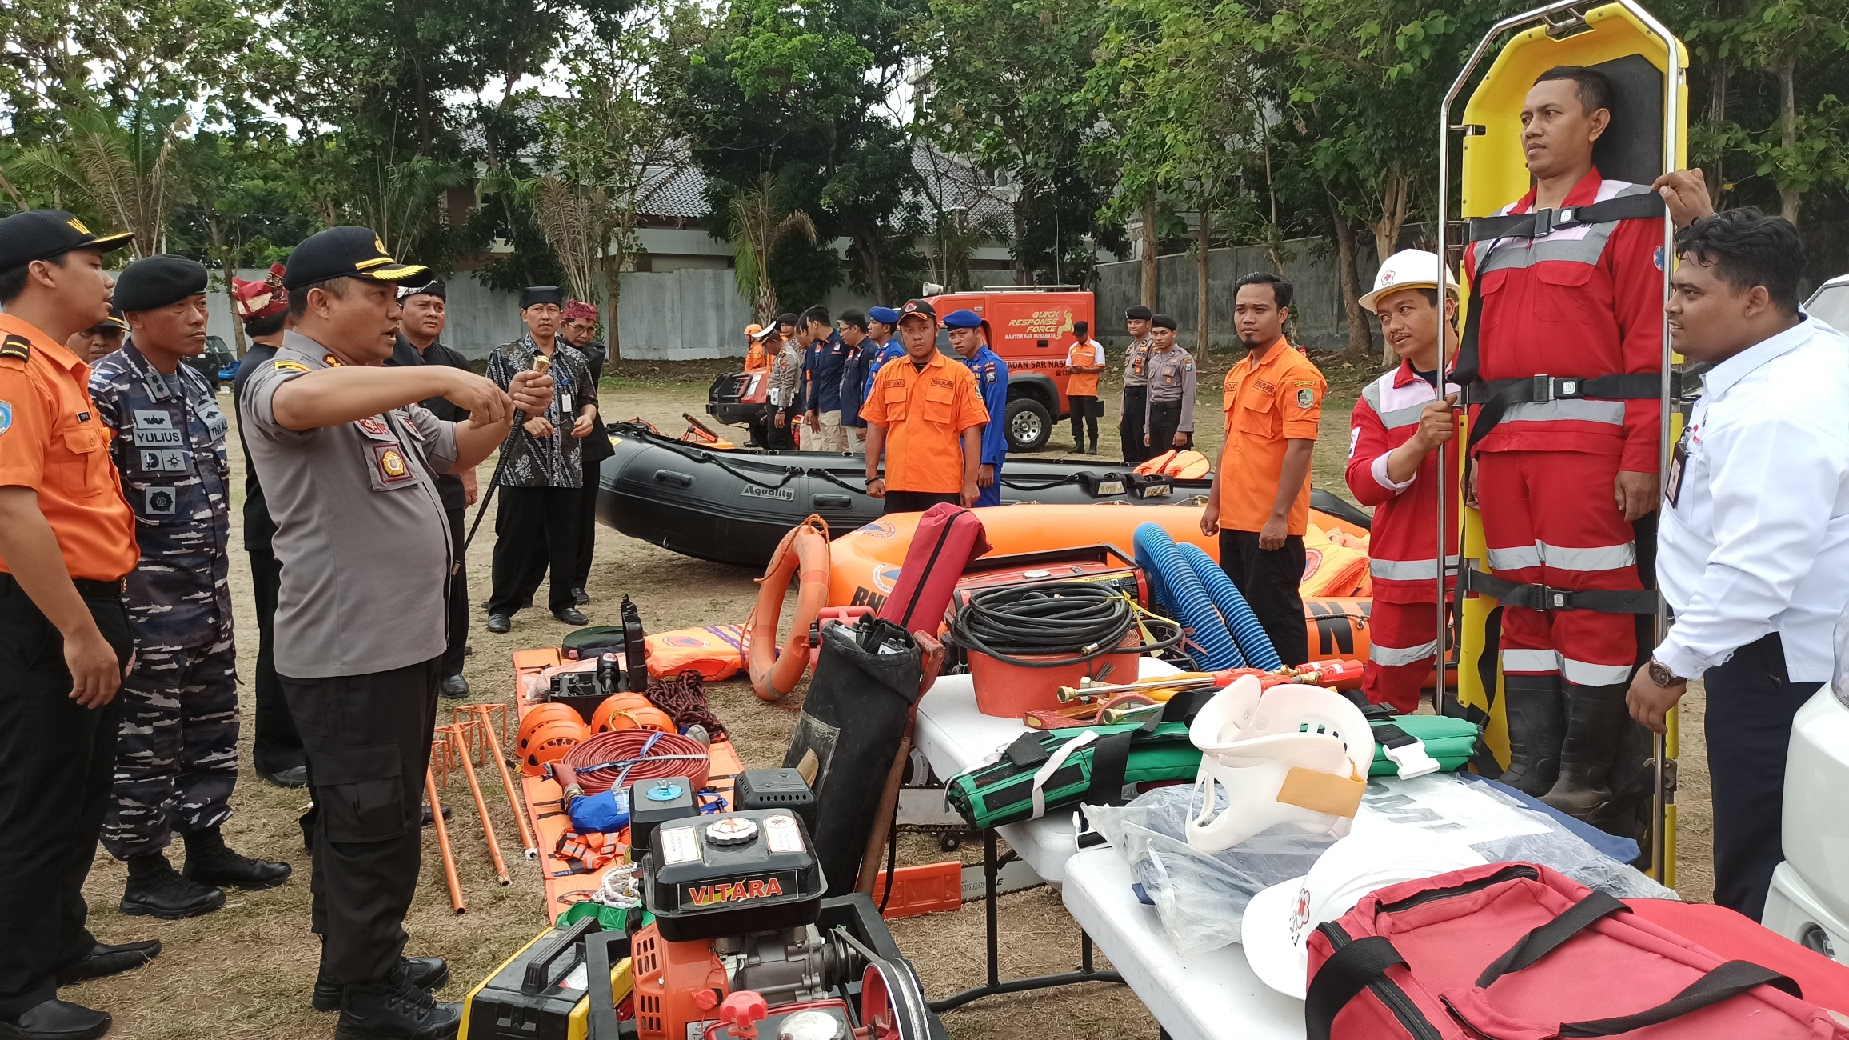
x,y
596,759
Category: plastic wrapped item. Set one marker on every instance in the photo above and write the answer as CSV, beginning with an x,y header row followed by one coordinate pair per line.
x,y
1201,898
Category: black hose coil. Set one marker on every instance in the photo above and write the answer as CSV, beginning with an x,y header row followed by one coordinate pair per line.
x,y
1081,620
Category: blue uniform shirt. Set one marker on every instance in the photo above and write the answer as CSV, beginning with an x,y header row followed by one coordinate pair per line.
x,y
169,449
892,349
992,379
822,366
854,381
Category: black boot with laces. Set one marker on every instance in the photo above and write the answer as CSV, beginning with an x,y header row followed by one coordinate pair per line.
x,y
155,889
393,1008
210,862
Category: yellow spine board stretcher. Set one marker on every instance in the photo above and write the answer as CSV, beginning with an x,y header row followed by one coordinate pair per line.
x,y
1494,173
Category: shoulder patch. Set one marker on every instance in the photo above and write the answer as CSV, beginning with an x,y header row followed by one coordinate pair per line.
x,y
286,365
16,347
1306,397
6,418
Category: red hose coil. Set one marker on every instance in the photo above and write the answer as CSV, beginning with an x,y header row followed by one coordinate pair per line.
x,y
594,758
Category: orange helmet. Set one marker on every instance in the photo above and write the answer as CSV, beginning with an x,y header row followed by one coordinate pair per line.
x,y
753,329
549,743
629,711
539,715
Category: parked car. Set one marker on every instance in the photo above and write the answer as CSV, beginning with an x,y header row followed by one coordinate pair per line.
x,y
219,363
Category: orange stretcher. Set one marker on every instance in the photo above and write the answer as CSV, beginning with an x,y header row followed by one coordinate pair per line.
x,y
566,881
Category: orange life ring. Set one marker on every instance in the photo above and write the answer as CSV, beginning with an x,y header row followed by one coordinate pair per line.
x,y
773,674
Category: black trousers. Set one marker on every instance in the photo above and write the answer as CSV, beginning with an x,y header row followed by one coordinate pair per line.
x,y
57,760
1135,398
276,745
368,740
917,501
1750,706
534,528
1164,417
779,438
458,596
1085,412
1268,579
587,517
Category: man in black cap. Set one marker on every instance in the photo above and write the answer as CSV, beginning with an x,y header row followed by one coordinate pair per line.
x,y
580,332
177,753
275,746
541,474
100,340
1136,385
67,539
425,316
348,460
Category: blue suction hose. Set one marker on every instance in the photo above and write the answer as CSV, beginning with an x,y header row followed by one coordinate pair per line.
x,y
1173,583
1253,641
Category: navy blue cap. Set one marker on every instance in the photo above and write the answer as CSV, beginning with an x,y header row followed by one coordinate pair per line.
x,y
40,234
962,320
883,315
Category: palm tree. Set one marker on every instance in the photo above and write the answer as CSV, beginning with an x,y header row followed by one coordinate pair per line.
x,y
126,173
759,226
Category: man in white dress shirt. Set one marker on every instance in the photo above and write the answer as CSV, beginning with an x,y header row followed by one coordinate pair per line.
x,y
1753,552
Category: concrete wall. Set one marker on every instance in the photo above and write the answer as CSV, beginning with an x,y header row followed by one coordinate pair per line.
x,y
663,315
1320,320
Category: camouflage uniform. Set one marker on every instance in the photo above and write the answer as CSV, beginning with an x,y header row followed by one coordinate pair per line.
x,y
177,756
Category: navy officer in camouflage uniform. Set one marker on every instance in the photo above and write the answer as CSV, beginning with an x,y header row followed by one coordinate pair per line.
x,y
177,753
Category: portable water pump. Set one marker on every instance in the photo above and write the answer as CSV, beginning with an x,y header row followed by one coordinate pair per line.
x,y
743,944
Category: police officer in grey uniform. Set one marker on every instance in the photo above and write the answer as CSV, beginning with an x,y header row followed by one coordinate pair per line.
x,y
177,748
1168,417
1136,385
349,460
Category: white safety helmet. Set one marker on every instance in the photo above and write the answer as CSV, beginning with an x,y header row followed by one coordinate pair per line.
x,y
1279,920
1408,269
1292,754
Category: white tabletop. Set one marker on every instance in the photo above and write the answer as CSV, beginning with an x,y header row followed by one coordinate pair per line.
x,y
955,737
1206,996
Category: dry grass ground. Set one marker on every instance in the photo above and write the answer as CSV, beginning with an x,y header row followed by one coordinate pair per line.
x,y
245,971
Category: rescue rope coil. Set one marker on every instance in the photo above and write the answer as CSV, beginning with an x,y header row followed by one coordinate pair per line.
x,y
1053,625
622,757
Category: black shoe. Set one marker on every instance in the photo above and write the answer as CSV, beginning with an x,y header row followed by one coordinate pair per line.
x,y
395,1010
571,616
580,597
168,896
427,820
454,686
209,862
56,1020
294,776
499,623
426,973
104,960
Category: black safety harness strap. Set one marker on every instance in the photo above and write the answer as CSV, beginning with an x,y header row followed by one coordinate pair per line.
x,y
1543,597
1495,396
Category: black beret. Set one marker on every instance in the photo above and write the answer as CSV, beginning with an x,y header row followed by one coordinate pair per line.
x,y
1137,313
157,281
1165,321
344,252
40,234
787,318
534,295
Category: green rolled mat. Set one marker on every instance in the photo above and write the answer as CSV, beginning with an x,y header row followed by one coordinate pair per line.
x,y
1450,741
1095,770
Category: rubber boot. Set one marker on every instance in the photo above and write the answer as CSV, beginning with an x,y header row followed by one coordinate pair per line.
x,y
1537,727
1594,725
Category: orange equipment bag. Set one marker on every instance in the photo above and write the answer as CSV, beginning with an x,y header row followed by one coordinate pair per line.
x,y
717,652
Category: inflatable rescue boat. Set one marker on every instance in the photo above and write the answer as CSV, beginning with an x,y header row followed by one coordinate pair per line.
x,y
736,506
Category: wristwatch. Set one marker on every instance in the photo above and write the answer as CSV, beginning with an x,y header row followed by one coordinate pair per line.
x,y
1662,676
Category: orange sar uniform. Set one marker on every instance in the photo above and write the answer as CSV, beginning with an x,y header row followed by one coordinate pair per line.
x,y
1269,401
924,413
51,440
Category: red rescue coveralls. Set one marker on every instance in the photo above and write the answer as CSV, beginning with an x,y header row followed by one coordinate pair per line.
x,y
1582,301
1403,637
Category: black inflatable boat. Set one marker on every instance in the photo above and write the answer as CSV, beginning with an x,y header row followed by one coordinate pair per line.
x,y
735,506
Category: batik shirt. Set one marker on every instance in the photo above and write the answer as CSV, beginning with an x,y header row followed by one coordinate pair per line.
x,y
554,460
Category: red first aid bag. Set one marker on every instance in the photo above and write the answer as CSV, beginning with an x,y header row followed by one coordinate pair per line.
x,y
1515,951
947,537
